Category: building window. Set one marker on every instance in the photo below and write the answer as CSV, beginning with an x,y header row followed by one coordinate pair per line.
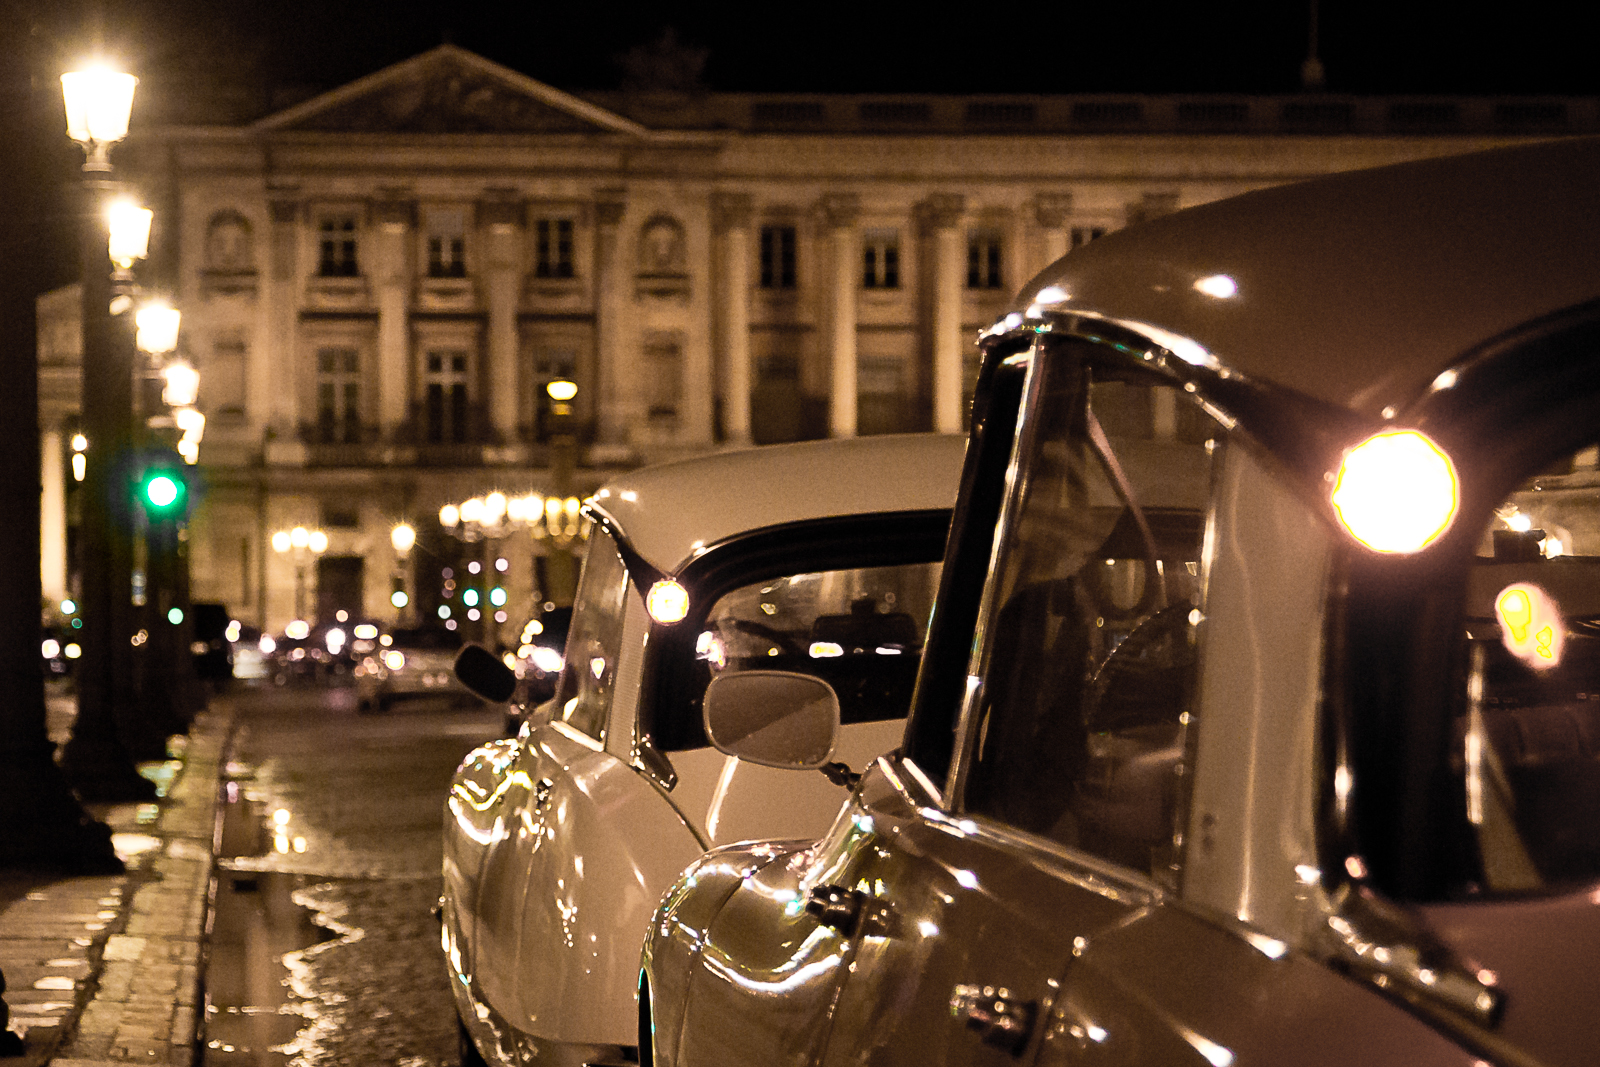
x,y
663,367
225,375
777,257
445,258
1082,235
445,241
880,259
337,251
338,395
444,399
983,260
553,248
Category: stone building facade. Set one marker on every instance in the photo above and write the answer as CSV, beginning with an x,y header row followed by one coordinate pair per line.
x,y
379,283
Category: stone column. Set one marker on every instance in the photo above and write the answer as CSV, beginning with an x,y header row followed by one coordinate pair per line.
x,y
392,220
941,214
53,515
840,212
274,387
612,383
502,224
731,213
1051,211
699,384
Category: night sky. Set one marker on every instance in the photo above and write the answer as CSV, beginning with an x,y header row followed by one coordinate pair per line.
x,y
1367,46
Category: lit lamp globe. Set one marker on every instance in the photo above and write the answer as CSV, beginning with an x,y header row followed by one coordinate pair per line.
x,y
130,231
99,102
403,537
158,330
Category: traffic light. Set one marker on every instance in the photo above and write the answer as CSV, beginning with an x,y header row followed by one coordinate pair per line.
x,y
163,489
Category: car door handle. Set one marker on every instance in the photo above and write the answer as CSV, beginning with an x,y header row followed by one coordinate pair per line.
x,y
836,906
1000,1018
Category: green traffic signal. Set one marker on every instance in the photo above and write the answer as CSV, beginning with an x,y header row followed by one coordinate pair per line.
x,y
162,491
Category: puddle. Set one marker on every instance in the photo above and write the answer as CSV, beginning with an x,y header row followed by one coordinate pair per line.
x,y
259,932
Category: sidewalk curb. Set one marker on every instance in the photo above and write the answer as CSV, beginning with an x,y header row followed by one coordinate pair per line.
x,y
142,999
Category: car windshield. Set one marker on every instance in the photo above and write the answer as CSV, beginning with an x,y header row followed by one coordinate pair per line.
x,y
1528,738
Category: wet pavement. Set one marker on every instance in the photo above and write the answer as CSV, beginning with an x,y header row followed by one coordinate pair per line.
x,y
325,949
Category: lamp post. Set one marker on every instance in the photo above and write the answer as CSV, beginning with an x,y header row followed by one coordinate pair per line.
x,y
108,733
554,522
43,826
301,544
403,537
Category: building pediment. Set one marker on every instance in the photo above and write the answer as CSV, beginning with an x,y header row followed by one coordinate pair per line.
x,y
448,90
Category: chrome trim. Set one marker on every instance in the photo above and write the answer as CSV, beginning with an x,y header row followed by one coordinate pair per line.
x,y
1366,936
967,718
1098,876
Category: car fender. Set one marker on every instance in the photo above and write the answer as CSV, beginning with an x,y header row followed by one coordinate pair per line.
x,y
567,894
474,820
676,938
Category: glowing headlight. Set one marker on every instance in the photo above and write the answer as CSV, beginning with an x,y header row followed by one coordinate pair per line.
x,y
667,601
394,659
1396,491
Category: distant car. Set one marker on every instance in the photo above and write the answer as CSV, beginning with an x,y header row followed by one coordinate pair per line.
x,y
59,650
818,558
1259,721
541,653
251,660
407,664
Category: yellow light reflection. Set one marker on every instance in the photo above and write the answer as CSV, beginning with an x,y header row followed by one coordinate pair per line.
x,y
1396,492
1531,625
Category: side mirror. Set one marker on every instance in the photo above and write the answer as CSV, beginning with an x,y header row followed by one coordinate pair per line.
x,y
480,671
774,718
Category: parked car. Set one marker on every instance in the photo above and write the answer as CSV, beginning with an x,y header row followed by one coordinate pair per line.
x,y
820,558
406,663
1259,721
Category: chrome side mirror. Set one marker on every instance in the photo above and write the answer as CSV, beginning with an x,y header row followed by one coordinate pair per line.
x,y
482,672
774,718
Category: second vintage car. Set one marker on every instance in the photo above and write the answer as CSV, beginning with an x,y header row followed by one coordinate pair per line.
x,y
1259,719
821,559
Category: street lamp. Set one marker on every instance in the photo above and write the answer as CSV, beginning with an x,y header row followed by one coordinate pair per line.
x,y
99,103
302,544
555,522
402,537
111,728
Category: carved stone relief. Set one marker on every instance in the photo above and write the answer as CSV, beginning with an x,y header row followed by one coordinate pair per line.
x,y
663,258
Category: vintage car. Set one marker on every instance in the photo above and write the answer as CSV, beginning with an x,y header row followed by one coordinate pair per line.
x,y
820,559
1259,718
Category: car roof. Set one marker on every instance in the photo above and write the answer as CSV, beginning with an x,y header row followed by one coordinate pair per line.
x,y
1357,289
672,511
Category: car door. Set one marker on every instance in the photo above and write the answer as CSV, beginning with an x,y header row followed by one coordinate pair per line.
x,y
1058,821
935,922
529,850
